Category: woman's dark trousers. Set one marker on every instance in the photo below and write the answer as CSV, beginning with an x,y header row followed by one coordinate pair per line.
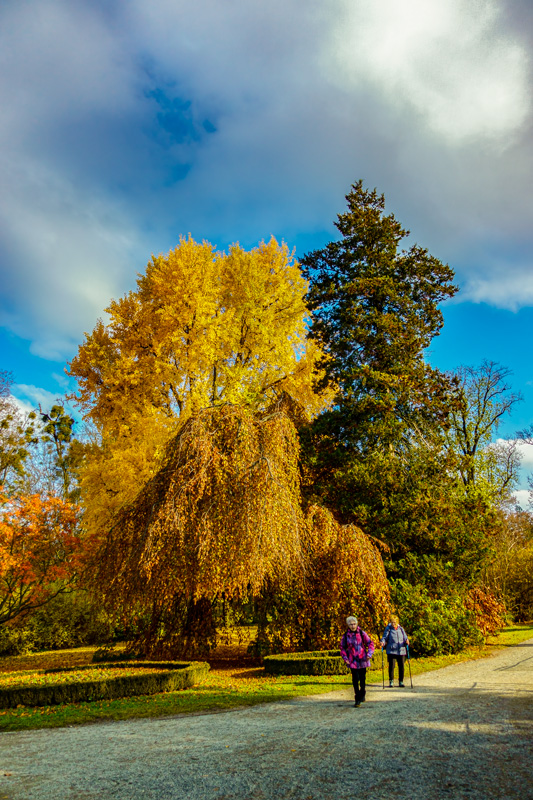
x,y
358,680
401,664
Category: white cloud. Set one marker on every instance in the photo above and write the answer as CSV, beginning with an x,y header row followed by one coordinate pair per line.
x,y
62,380
451,63
429,101
505,288
27,397
522,497
526,454
31,397
24,406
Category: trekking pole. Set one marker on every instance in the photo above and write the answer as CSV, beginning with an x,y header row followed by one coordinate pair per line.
x,y
409,663
382,669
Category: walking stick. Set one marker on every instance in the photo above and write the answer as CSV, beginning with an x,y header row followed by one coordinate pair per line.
x,y
409,662
382,669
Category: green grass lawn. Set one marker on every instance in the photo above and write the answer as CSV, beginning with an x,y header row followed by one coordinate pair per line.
x,y
222,690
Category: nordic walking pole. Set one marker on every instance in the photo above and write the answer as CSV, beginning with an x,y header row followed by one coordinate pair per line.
x,y
382,669
409,662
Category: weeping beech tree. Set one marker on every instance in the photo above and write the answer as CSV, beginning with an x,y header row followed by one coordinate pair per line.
x,y
221,514
345,566
344,573
223,517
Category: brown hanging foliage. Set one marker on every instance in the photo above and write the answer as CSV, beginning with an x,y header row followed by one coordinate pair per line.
x,y
344,574
348,564
223,517
222,514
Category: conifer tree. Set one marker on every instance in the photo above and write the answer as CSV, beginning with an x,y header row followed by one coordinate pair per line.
x,y
375,308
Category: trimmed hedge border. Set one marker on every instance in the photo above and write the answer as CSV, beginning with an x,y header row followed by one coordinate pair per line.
x,y
319,662
170,677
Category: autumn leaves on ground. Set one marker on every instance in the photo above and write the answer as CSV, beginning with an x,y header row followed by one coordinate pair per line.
x,y
264,447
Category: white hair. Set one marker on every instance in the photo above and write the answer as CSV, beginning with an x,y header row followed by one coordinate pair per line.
x,y
351,619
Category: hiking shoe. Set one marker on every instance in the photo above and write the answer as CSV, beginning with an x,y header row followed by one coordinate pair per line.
x,y
402,685
391,684
356,705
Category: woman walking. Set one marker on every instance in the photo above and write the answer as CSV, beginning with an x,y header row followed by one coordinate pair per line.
x,y
395,640
356,651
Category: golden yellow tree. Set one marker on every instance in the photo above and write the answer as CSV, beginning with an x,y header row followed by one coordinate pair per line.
x,y
195,387
202,329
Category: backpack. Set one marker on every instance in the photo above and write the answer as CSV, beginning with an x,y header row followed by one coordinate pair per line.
x,y
344,640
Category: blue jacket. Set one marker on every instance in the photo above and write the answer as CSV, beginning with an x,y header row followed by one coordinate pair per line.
x,y
395,640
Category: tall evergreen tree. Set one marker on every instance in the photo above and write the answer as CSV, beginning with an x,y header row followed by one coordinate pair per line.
x,y
379,456
375,308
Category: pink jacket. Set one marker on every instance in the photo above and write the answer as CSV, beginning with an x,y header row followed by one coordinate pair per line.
x,y
356,649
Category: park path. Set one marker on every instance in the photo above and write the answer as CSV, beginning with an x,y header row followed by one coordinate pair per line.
x,y
465,731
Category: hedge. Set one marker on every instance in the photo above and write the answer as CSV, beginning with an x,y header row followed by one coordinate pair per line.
x,y
169,676
320,662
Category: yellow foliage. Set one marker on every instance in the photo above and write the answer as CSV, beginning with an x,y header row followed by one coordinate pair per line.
x,y
116,470
202,329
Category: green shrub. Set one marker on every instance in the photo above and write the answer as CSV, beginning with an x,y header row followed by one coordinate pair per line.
x,y
323,662
16,641
168,676
435,625
66,621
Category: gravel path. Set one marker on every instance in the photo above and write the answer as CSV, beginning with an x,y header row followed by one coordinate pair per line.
x,y
466,731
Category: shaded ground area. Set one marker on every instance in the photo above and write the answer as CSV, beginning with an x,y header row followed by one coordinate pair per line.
x,y
466,731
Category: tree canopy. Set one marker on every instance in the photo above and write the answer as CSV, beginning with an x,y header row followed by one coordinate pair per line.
x,y
375,308
222,512
484,398
39,552
202,329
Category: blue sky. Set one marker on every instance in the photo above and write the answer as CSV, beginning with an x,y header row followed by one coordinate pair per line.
x,y
126,124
